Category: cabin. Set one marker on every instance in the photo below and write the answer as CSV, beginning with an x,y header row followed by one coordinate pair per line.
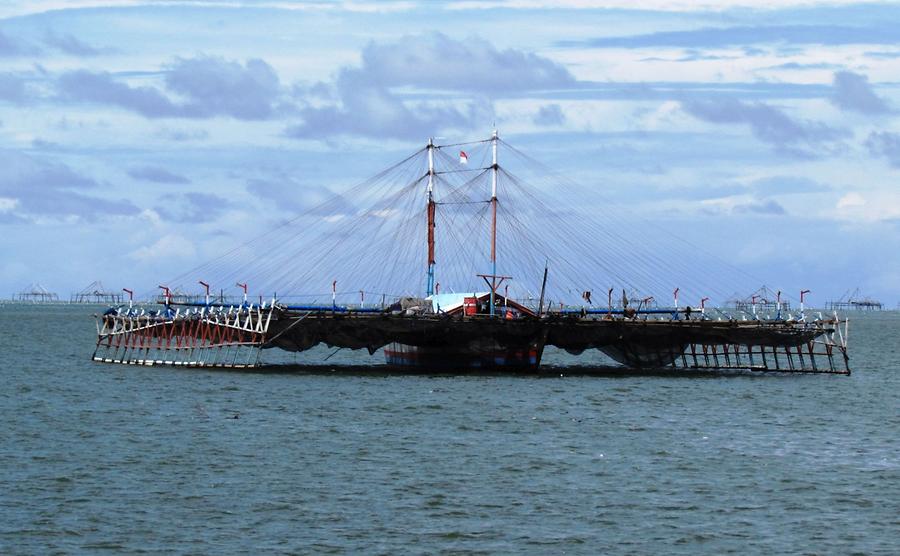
x,y
478,303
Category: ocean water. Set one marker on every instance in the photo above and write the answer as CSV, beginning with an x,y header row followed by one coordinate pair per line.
x,y
157,460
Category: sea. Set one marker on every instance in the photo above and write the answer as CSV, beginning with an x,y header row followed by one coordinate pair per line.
x,y
98,458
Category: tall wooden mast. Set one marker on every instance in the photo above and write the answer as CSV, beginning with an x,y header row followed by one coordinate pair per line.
x,y
494,171
430,285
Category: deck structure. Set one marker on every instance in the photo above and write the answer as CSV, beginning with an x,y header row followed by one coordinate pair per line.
x,y
212,336
234,337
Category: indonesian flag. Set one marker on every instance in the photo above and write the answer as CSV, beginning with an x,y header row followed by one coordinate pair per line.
x,y
463,157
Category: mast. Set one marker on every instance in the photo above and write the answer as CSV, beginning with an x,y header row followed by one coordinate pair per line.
x,y
430,284
543,288
494,171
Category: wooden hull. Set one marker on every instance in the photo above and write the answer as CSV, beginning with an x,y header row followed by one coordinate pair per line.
x,y
462,358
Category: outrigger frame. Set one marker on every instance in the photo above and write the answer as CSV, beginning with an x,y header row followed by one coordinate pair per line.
x,y
233,337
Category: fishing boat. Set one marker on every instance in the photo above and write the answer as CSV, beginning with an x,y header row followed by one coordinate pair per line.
x,y
484,320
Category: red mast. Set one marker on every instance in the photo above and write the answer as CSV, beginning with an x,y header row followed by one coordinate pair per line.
x,y
431,213
494,170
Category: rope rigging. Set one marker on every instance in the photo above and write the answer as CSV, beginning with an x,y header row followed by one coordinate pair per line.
x,y
371,238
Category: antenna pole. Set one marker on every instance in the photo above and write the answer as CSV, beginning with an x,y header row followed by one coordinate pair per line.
x,y
495,169
778,305
431,210
166,293
205,285
543,289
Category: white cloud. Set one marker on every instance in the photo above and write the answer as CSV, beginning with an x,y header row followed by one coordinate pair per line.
x,y
661,5
26,7
850,200
660,117
876,206
151,216
8,204
166,248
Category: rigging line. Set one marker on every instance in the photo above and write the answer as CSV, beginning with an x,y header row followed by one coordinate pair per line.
x,y
674,237
401,230
359,256
309,211
461,144
615,237
461,171
561,225
457,191
301,252
329,242
279,247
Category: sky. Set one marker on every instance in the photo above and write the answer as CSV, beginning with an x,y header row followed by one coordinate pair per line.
x,y
139,138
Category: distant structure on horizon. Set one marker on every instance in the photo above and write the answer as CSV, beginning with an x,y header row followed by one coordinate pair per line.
x,y
854,301
95,293
36,293
179,295
763,299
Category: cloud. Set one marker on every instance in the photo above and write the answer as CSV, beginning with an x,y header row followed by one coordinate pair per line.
x,y
192,207
208,86
43,144
436,61
182,134
885,144
882,54
216,86
370,110
762,188
102,88
768,207
787,185
166,248
713,37
289,194
795,66
68,44
12,88
23,170
8,204
42,187
549,115
768,124
156,175
853,92
367,102
851,200
9,47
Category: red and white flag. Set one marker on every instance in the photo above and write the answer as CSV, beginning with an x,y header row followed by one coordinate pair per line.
x,y
463,157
